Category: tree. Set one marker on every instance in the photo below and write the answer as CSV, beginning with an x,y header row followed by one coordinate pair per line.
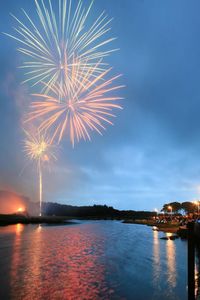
x,y
176,206
188,207
165,207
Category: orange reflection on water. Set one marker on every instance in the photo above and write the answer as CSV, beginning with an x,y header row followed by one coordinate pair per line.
x,y
19,228
16,258
13,229
196,279
64,263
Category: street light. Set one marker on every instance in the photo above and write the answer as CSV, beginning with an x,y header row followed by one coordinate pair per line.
x,y
170,207
197,203
156,211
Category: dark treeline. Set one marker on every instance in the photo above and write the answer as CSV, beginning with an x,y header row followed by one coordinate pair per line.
x,y
177,207
95,211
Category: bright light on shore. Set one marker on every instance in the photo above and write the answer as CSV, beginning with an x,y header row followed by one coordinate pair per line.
x,y
20,209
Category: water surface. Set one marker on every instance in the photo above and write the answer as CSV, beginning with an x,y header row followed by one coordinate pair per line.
x,y
90,260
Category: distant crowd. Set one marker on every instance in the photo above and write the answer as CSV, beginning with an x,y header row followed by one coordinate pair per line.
x,y
177,219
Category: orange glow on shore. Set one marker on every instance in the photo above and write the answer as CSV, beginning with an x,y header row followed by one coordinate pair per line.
x,y
20,209
12,203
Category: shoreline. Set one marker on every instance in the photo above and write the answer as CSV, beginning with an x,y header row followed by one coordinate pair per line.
x,y
16,219
6,220
168,228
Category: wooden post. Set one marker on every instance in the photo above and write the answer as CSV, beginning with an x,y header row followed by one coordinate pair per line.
x,y
191,261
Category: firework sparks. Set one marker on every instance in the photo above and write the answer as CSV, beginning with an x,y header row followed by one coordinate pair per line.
x,y
38,148
87,108
53,41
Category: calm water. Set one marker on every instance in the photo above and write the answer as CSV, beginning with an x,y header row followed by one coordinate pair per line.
x,y
90,260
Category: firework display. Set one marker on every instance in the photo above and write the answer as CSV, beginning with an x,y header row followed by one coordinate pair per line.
x,y
64,58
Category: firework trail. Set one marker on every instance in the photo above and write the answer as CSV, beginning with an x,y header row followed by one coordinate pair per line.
x,y
86,108
38,148
59,40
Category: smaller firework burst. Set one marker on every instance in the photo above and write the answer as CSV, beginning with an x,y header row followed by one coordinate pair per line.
x,y
38,148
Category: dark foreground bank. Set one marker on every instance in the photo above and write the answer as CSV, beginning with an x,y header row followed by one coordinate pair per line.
x,y
16,219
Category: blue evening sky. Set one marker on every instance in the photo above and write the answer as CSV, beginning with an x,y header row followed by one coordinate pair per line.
x,y
152,154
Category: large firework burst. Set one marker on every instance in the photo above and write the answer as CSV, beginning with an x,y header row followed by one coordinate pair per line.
x,y
59,40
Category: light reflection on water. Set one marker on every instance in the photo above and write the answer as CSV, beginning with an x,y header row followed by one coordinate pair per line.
x,y
170,268
92,260
68,270
197,272
156,257
16,257
171,262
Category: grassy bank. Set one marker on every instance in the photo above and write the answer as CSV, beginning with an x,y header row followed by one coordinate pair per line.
x,y
165,227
